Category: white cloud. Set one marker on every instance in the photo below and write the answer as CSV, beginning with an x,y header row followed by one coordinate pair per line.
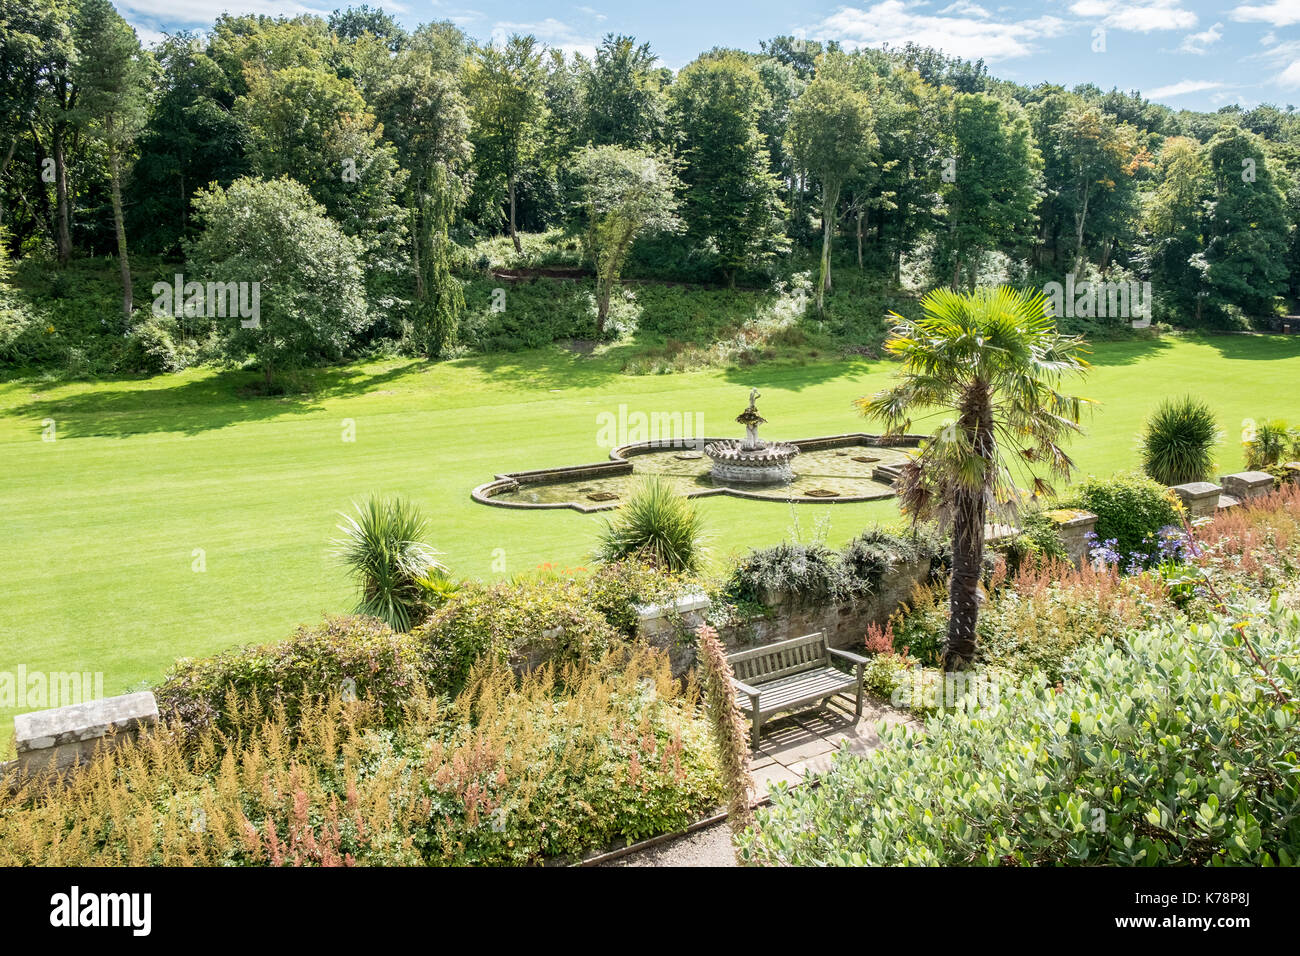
x,y
1290,77
969,32
149,36
1198,42
1138,16
554,33
1279,13
591,12
1182,88
965,6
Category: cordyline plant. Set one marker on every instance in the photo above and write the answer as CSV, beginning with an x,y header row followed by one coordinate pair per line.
x,y
993,359
384,550
729,730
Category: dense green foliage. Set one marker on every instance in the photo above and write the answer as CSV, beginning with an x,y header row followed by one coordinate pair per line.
x,y
897,169
1131,510
359,657
816,574
1174,747
302,273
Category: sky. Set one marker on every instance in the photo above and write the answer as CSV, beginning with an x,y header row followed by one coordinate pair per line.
x,y
1194,54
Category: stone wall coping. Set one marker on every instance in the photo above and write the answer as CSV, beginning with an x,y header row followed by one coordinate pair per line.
x,y
1197,489
694,601
43,729
1249,478
1071,517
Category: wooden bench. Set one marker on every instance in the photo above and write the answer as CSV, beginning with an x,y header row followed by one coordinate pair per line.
x,y
789,674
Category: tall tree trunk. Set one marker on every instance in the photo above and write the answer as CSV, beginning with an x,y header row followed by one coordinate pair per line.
x,y
861,213
970,514
119,226
62,217
514,236
602,304
1079,219
830,199
963,590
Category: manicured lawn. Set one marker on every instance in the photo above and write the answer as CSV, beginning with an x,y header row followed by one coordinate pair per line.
x,y
101,525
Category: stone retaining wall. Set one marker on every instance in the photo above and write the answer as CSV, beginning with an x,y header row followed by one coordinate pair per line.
x,y
56,740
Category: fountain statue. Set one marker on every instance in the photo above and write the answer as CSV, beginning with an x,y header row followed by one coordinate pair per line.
x,y
752,460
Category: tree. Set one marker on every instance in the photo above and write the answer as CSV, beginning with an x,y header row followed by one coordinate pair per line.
x,y
505,86
993,191
623,100
424,114
622,194
1247,243
1101,158
909,123
732,199
309,124
309,291
191,139
1174,222
53,130
113,73
831,136
993,360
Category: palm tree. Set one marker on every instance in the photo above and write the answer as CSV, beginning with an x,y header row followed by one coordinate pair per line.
x,y
991,360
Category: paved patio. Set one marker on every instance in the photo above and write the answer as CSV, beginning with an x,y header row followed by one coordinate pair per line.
x,y
792,750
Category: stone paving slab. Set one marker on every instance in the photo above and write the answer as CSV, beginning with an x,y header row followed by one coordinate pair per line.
x,y
793,749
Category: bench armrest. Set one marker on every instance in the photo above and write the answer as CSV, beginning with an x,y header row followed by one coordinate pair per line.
x,y
847,655
745,688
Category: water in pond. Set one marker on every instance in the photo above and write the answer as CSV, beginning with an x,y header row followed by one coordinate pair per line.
x,y
826,474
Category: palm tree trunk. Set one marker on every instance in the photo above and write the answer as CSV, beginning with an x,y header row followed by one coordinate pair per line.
x,y
963,590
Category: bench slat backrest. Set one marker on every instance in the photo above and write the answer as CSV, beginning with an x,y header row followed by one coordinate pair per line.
x,y
780,659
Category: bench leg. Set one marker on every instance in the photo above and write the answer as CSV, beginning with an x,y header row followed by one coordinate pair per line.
x,y
858,711
758,725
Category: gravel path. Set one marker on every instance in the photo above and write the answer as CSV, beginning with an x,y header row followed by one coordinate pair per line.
x,y
711,847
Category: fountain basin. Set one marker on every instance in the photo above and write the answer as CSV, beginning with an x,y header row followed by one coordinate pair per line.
x,y
761,464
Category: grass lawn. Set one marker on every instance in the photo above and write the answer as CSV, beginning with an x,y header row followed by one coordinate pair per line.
x,y
103,525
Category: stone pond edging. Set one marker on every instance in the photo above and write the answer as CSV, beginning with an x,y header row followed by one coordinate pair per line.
x,y
620,464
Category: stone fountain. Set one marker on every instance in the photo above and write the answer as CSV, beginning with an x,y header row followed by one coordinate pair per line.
x,y
751,460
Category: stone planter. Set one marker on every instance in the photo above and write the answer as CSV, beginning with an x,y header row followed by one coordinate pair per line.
x,y
1245,485
1200,498
1073,526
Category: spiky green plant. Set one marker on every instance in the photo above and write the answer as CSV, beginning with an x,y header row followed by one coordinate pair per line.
x,y
384,550
657,525
1270,443
1179,440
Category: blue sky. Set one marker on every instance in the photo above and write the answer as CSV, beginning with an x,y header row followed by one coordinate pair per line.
x,y
1197,54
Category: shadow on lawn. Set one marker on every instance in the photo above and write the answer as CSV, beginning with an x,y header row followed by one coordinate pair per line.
x,y
1127,351
198,405
1266,348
